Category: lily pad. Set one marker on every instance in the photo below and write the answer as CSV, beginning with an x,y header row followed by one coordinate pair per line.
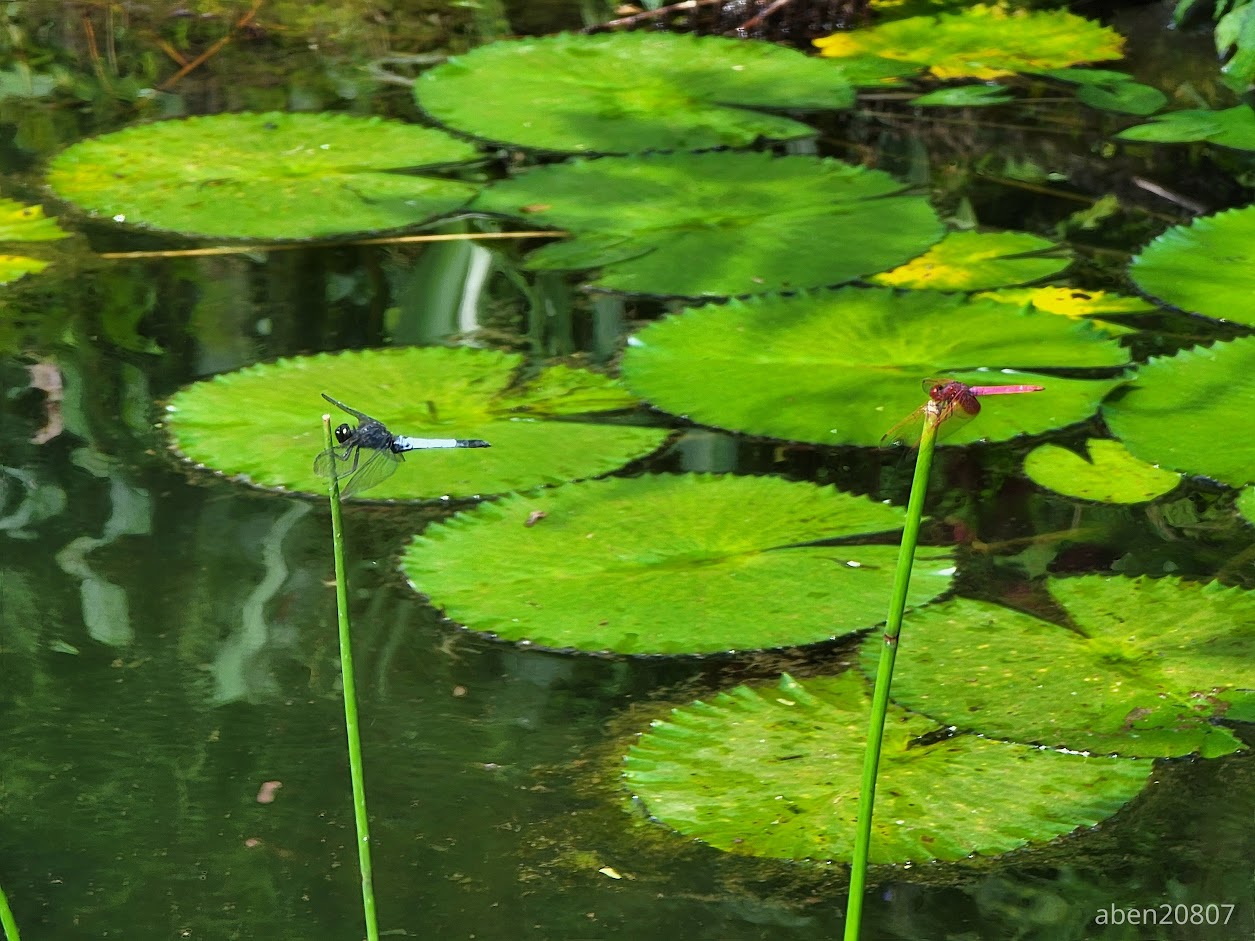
x,y
261,424
1106,473
1206,267
1152,664
13,267
273,176
776,772
981,42
1246,504
668,564
1182,412
630,92
1071,301
718,224
842,367
1111,91
1233,127
22,223
964,96
973,261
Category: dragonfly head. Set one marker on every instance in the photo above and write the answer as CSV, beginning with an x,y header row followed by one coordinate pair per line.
x,y
343,433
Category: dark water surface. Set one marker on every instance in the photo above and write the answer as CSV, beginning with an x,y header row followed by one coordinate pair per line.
x,y
168,645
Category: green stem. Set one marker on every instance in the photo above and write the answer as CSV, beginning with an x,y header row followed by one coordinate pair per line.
x,y
350,704
884,672
7,920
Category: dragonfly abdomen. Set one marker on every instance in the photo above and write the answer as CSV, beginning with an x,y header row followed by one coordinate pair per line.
x,y
402,443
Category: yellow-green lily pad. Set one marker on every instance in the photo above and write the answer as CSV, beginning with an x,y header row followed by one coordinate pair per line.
x,y
973,261
982,42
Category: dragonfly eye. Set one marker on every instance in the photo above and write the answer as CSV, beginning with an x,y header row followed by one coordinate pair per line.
x,y
343,433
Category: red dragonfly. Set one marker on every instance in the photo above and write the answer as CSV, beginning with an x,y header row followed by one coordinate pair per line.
x,y
959,403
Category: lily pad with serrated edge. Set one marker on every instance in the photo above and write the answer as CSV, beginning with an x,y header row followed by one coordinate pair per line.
x,y
842,367
272,176
717,224
262,424
1105,473
775,771
973,261
1190,412
632,92
1152,663
668,564
981,42
1233,127
1206,267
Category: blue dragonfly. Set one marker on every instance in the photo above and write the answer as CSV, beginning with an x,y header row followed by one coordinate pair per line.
x,y
369,454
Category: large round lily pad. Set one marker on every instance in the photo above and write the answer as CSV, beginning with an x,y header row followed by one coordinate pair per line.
x,y
1106,473
981,41
668,565
1189,412
262,424
1205,267
273,176
842,367
1151,665
631,92
776,772
718,224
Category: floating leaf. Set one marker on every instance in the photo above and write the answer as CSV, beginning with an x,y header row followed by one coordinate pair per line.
x,y
569,93
970,261
21,223
13,267
1111,91
842,367
1182,412
1234,128
1106,473
965,96
1246,504
668,565
1070,301
1152,664
718,224
262,423
272,175
982,42
1206,267
776,772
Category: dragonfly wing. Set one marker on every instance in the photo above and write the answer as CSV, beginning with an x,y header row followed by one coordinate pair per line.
x,y
374,467
360,416
907,431
327,463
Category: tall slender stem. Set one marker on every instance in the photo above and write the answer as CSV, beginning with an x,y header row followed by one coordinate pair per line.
x,y
350,703
884,671
7,921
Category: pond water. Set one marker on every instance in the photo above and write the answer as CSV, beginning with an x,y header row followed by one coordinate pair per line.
x,y
172,760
